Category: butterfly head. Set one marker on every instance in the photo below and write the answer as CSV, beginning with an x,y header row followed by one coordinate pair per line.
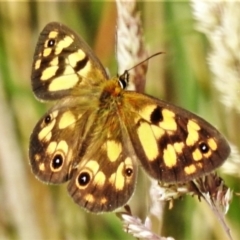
x,y
123,79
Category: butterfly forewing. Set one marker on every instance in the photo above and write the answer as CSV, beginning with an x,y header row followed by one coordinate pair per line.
x,y
62,62
172,144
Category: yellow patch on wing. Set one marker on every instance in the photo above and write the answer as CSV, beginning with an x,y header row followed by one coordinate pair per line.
x,y
63,146
193,125
212,144
75,57
103,200
168,123
45,131
37,64
190,169
64,43
67,120
89,198
51,148
37,157
199,165
52,34
197,155
148,141
178,146
193,135
117,179
46,52
63,83
113,150
48,137
54,62
93,166
170,156
128,161
48,73
42,167
99,179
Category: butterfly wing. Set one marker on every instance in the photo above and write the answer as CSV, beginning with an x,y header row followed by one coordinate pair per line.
x,y
63,61
172,144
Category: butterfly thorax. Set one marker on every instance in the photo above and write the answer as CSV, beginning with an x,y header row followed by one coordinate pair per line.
x,y
111,92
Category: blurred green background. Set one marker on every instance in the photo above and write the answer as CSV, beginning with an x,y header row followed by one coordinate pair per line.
x,y
32,210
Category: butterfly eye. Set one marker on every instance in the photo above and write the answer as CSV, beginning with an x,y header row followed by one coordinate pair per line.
x,y
51,43
57,162
203,147
84,178
123,80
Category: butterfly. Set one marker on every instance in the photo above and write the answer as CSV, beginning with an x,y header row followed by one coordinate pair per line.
x,y
98,133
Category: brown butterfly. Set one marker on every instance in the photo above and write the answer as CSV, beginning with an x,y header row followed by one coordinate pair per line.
x,y
98,133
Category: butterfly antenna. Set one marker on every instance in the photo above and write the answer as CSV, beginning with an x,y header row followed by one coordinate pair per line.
x,y
123,78
154,55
